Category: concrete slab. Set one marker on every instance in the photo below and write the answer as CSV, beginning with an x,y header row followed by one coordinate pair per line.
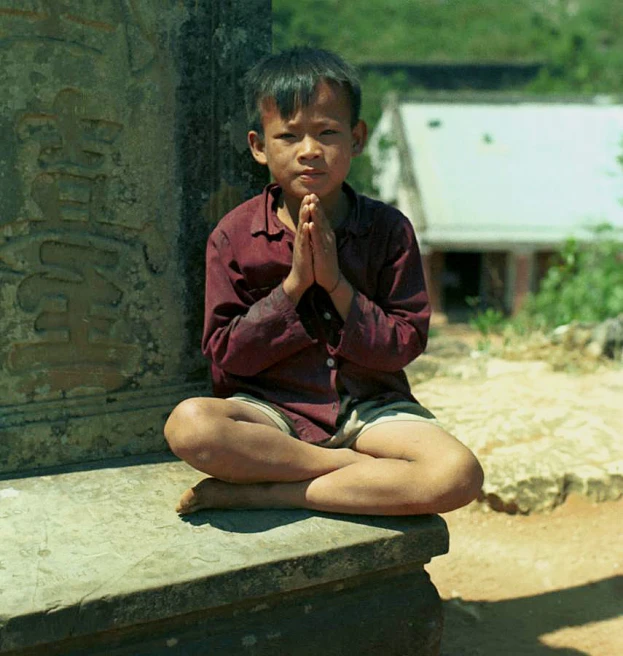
x,y
85,552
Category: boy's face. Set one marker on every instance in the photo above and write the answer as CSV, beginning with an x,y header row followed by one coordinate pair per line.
x,y
310,153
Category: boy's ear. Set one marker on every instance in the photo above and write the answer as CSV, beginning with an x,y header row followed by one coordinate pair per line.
x,y
256,144
360,137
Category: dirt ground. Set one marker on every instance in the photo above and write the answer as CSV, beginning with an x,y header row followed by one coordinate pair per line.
x,y
539,584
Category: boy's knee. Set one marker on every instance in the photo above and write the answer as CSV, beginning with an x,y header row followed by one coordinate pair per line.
x,y
452,482
464,477
186,420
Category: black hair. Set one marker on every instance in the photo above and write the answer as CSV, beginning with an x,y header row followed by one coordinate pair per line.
x,y
290,79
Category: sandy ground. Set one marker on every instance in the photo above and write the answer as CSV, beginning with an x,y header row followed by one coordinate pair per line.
x,y
539,584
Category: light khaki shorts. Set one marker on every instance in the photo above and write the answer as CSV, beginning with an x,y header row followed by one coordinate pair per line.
x,y
360,418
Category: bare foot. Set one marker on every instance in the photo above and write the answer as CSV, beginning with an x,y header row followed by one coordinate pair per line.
x,y
214,493
187,503
197,497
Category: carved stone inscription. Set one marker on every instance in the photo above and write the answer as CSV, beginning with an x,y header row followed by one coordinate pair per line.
x,y
74,294
80,24
82,239
121,141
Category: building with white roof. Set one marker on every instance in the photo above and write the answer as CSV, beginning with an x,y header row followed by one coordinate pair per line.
x,y
495,183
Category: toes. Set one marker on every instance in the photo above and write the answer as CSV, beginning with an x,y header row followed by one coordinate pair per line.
x,y
188,503
198,497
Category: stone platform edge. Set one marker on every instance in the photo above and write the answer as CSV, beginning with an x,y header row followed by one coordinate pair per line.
x,y
130,560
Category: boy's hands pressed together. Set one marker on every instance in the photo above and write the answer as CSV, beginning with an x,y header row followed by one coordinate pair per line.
x,y
315,258
326,265
301,276
324,248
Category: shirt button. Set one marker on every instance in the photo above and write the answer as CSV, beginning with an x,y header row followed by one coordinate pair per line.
x,y
327,315
330,362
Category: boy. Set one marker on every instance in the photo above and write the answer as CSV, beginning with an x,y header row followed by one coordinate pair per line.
x,y
314,304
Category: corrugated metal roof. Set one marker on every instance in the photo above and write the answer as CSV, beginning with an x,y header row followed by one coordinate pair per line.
x,y
529,173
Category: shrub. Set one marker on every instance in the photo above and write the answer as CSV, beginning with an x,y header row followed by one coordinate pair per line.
x,y
585,284
485,321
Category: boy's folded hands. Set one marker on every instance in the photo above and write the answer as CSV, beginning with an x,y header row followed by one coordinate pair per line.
x,y
324,249
315,252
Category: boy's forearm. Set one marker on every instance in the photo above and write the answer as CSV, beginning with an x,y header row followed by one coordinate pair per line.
x,y
342,296
389,329
293,290
246,344
385,339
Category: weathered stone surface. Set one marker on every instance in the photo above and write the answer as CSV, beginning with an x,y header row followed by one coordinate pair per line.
x,y
597,340
91,552
607,338
540,434
122,135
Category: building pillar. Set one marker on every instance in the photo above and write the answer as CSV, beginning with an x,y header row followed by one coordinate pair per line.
x,y
123,140
520,278
433,263
493,276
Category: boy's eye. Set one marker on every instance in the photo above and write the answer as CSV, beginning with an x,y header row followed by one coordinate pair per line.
x,y
286,135
329,132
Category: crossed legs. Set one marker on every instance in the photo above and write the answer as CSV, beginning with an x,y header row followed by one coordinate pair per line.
x,y
394,468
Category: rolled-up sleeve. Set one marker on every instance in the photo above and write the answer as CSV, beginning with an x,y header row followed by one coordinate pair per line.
x,y
242,335
386,333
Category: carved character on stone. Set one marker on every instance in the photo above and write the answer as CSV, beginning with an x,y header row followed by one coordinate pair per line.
x,y
71,255
87,26
76,306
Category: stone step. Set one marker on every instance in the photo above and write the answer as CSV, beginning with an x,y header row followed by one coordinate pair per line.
x,y
97,562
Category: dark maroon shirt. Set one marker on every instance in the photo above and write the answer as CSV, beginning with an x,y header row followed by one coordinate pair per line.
x,y
305,358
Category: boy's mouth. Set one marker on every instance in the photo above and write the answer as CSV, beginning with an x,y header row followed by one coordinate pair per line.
x,y
311,173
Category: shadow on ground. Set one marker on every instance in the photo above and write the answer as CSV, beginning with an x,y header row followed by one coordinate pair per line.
x,y
515,626
259,521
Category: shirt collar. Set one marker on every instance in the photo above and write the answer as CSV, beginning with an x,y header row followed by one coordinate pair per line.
x,y
266,221
357,222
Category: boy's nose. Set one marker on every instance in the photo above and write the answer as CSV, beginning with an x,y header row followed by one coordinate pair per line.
x,y
310,148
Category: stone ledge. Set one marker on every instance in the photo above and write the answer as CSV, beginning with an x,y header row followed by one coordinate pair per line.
x,y
87,428
89,552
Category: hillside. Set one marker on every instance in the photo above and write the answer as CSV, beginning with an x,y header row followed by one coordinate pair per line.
x,y
580,42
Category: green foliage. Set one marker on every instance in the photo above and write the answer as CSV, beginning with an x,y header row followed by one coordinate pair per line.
x,y
585,284
486,321
580,41
361,175
450,30
585,53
